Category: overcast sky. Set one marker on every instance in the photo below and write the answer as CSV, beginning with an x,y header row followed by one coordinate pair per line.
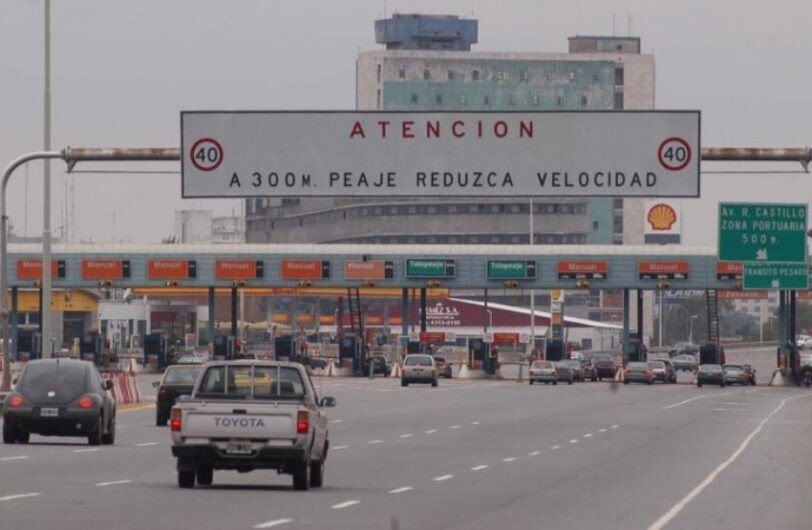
x,y
122,71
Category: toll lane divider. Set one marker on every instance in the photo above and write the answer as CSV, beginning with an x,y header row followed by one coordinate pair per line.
x,y
125,388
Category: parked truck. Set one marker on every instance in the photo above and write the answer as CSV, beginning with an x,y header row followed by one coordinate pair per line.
x,y
247,415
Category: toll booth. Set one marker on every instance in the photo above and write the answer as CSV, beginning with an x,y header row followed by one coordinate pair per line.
x,y
90,347
711,353
414,347
28,345
224,347
636,350
155,349
477,353
556,350
349,349
284,348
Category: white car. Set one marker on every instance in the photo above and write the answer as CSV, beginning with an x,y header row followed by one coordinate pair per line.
x,y
803,341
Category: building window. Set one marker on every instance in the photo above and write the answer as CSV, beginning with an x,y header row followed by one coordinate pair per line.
x,y
414,98
559,100
452,208
463,99
617,204
393,210
438,99
619,76
583,101
378,210
512,100
426,74
498,75
618,101
379,73
344,214
378,98
525,76
596,78
486,100
536,99
451,75
475,75
301,221
596,225
431,209
412,210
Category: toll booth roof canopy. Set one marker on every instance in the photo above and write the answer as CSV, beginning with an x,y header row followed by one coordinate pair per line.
x,y
374,250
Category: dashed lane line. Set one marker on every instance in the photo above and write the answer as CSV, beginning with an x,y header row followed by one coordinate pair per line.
x,y
374,442
7,458
404,489
574,441
113,483
431,431
404,436
339,447
615,426
509,459
474,423
555,447
86,450
601,430
588,435
345,504
443,478
479,467
18,496
455,426
146,444
534,453
336,421
271,524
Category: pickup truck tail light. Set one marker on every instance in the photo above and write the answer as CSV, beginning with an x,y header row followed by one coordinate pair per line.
x,y
175,423
302,423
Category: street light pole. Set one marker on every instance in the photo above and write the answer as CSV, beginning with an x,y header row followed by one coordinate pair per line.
x,y
45,342
691,333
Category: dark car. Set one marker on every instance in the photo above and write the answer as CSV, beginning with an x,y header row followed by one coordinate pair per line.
x,y
577,369
381,365
318,363
711,374
685,362
605,366
177,381
60,397
443,366
589,370
564,372
683,348
638,372
735,375
750,372
660,371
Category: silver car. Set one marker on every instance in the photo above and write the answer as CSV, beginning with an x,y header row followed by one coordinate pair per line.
x,y
419,368
543,372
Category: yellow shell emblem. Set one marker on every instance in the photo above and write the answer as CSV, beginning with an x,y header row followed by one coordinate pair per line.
x,y
661,217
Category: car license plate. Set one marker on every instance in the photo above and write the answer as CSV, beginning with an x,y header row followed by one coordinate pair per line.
x,y
49,412
238,447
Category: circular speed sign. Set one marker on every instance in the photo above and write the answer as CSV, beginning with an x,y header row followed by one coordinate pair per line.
x,y
674,153
206,154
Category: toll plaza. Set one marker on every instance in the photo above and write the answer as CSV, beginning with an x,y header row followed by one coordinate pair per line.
x,y
232,270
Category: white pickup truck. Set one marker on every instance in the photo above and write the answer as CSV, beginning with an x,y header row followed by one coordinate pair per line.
x,y
246,415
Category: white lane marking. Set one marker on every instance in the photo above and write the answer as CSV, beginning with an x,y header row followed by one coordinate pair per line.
x,y
345,504
146,444
721,410
455,426
7,458
271,524
479,467
668,516
113,483
615,426
509,459
683,402
431,431
336,448
474,423
588,435
86,450
404,436
601,430
574,441
441,478
18,496
555,447
728,404
534,453
401,490
373,442
336,421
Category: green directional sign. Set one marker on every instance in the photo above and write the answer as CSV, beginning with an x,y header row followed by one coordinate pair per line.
x,y
514,269
430,268
759,275
762,232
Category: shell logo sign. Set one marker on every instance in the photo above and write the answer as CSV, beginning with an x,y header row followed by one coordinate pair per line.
x,y
661,217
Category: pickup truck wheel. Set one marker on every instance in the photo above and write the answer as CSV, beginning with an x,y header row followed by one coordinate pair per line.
x,y
205,475
186,478
301,476
316,474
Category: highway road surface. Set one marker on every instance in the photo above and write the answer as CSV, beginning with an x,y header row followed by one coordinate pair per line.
x,y
466,455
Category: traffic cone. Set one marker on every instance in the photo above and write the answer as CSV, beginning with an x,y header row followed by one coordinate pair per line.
x,y
396,371
329,369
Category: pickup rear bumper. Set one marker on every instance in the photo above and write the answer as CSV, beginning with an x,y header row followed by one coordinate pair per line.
x,y
279,458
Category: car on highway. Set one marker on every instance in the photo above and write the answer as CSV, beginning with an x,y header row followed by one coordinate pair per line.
x,y
660,371
589,370
543,372
248,415
685,363
190,359
381,365
638,372
176,381
683,348
710,374
803,342
318,363
605,365
418,368
735,375
443,366
60,397
577,369
564,372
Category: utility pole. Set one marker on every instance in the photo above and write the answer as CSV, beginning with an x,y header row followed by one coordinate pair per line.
x,y
532,291
46,208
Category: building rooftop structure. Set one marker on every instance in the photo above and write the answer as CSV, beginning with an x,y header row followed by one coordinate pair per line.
x,y
426,32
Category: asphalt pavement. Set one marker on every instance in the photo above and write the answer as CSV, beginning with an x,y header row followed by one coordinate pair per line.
x,y
466,455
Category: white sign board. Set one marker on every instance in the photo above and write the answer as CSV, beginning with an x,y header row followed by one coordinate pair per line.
x,y
460,154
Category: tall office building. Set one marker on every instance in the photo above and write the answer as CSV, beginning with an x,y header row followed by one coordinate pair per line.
x,y
427,65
